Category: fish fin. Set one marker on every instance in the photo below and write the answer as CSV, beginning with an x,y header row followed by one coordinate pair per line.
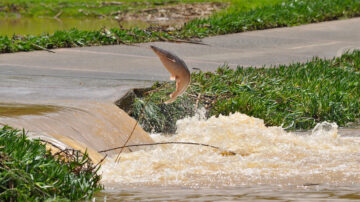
x,y
172,97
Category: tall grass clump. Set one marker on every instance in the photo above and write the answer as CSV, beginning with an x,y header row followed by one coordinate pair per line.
x,y
155,116
296,96
28,172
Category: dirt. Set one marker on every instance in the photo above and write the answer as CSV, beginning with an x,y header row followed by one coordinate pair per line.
x,y
172,14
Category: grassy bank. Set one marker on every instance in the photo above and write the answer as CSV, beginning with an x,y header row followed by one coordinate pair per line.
x,y
30,173
288,13
295,96
73,8
102,8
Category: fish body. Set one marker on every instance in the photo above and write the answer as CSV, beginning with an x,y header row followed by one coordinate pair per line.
x,y
177,69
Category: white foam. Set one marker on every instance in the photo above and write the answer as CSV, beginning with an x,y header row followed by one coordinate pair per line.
x,y
267,155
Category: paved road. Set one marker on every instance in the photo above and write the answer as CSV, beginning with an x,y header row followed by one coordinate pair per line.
x,y
107,72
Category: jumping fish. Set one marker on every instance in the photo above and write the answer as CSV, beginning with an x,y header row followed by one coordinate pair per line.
x,y
177,69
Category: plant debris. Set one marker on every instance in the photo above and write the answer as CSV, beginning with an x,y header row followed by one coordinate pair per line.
x,y
172,14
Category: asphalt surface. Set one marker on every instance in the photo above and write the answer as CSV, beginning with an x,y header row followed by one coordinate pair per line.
x,y
106,72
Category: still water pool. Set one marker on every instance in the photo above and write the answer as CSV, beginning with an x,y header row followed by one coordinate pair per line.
x,y
36,26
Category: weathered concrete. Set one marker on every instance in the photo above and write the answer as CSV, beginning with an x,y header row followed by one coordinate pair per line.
x,y
107,72
92,125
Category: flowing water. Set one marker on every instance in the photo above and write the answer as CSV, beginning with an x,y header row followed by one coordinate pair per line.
x,y
270,164
91,125
240,193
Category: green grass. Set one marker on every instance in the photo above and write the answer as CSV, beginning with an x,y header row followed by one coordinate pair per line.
x,y
71,8
96,8
288,13
296,96
30,173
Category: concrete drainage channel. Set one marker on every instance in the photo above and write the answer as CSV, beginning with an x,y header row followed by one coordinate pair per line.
x,y
91,126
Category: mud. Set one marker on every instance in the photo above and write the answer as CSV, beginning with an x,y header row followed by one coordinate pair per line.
x,y
172,14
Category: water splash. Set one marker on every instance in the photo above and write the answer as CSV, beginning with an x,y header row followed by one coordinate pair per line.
x,y
268,155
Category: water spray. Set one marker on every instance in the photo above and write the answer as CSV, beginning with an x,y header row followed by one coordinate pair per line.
x,y
179,72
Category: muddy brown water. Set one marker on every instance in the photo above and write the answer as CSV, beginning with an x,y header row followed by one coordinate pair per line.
x,y
271,164
37,26
168,17
241,193
93,126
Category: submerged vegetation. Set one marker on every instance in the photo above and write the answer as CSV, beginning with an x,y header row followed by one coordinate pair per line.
x,y
296,96
287,13
28,172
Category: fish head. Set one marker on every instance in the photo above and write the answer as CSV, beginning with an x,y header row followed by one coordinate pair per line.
x,y
171,62
177,69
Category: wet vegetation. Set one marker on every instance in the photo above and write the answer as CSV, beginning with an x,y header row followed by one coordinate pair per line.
x,y
234,19
295,96
28,172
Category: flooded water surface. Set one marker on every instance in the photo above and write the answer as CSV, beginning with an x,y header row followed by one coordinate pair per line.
x,y
270,164
37,26
243,193
170,15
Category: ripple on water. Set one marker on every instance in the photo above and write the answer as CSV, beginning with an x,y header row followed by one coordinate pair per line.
x,y
245,193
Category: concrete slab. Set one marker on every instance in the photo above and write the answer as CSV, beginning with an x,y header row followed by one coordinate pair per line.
x,y
107,72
